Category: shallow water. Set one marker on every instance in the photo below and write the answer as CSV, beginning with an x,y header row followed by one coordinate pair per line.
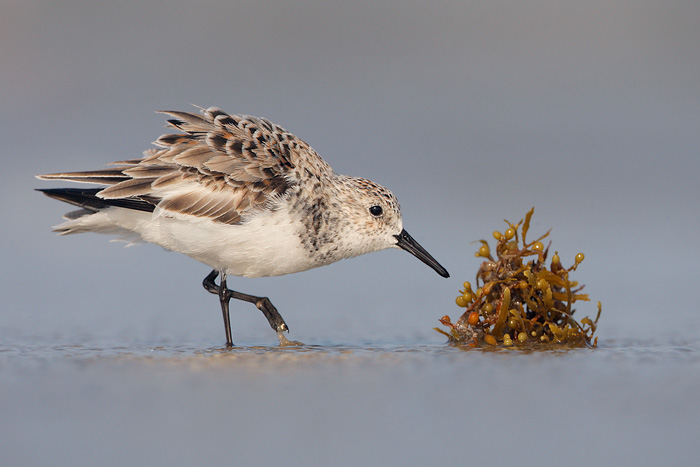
x,y
626,402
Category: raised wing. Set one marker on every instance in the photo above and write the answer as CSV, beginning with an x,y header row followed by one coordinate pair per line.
x,y
222,167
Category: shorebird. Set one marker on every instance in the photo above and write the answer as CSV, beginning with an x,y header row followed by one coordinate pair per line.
x,y
242,195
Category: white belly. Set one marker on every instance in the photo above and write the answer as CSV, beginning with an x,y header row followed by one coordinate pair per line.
x,y
266,245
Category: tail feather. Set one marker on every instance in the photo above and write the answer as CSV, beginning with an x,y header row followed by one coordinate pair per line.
x,y
77,214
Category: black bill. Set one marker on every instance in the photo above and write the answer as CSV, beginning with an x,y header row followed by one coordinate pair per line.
x,y
406,242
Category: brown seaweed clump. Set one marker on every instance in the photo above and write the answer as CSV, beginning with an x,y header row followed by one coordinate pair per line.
x,y
521,302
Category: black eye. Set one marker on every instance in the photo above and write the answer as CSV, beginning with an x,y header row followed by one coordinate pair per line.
x,y
376,210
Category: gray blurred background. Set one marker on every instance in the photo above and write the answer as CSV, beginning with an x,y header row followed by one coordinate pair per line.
x,y
470,112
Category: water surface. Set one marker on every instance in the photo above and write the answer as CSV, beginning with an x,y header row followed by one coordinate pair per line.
x,y
626,402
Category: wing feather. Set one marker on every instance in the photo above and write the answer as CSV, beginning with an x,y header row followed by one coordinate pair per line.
x,y
109,176
127,189
221,167
194,157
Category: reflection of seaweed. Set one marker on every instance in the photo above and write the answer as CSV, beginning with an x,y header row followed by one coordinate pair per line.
x,y
521,303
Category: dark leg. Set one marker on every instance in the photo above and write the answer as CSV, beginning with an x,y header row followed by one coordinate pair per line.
x,y
211,286
225,295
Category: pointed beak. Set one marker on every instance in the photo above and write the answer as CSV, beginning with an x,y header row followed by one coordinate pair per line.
x,y
406,242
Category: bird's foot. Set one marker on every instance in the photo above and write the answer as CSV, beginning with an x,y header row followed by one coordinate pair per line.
x,y
284,342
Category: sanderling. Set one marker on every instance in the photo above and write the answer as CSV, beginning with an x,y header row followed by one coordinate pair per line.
x,y
242,195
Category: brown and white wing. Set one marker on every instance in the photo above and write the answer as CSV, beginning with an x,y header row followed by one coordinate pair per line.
x,y
222,167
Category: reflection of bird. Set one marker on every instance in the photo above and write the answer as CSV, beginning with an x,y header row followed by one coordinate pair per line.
x,y
243,196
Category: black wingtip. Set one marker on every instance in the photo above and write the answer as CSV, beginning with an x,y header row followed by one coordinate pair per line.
x,y
87,199
84,198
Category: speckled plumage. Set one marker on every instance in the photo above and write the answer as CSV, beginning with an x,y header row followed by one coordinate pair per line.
x,y
240,194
